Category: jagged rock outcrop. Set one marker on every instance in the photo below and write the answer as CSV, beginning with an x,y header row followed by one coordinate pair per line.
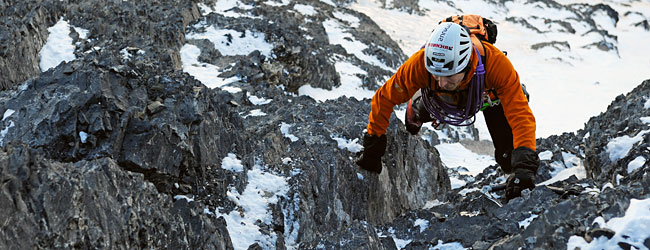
x,y
331,192
23,31
157,31
94,204
618,136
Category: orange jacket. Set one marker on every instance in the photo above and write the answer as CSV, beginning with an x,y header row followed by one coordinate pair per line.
x,y
499,74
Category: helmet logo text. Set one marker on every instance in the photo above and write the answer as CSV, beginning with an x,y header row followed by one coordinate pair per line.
x,y
442,46
443,33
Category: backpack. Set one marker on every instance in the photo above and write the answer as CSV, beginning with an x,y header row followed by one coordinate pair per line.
x,y
480,28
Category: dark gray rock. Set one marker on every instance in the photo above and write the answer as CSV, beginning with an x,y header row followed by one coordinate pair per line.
x,y
94,204
94,112
621,119
599,232
560,46
23,31
157,31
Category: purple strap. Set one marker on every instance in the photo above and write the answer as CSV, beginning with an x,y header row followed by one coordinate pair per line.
x,y
451,114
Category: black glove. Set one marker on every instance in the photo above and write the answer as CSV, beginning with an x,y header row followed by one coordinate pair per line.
x,y
520,180
373,149
525,163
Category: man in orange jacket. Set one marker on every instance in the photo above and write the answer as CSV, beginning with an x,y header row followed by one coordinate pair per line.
x,y
448,81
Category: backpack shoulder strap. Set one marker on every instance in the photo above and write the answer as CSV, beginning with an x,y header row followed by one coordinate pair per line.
x,y
477,43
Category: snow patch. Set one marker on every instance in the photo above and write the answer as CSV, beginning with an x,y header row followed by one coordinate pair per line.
x,y
353,21
638,162
645,119
619,147
526,222
578,171
455,154
83,136
255,112
180,196
7,113
466,191
546,155
231,163
206,73
633,228
433,203
4,132
286,160
456,183
350,145
423,224
225,7
571,160
448,246
350,85
232,43
306,10
263,189
230,89
337,35
284,128
58,48
277,3
258,100
328,2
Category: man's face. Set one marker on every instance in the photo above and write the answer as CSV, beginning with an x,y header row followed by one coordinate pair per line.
x,y
449,82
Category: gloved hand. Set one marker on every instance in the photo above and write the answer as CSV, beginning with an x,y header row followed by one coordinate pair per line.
x,y
373,149
525,163
518,181
413,124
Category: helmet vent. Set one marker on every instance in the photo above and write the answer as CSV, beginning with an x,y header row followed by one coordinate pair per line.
x,y
449,65
463,43
463,51
462,60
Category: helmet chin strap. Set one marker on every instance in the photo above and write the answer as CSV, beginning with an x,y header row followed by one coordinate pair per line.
x,y
452,114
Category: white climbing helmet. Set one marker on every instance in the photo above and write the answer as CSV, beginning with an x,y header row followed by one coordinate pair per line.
x,y
448,50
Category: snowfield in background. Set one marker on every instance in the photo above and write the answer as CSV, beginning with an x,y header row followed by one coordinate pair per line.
x,y
455,155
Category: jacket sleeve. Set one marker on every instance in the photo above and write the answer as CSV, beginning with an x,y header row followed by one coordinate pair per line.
x,y
503,77
408,79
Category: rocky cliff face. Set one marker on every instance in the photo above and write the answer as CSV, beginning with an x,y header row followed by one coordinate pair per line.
x,y
122,148
132,137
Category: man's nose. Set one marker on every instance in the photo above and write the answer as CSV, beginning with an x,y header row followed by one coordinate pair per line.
x,y
443,82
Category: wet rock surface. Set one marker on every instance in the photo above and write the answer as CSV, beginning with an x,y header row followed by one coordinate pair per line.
x,y
121,148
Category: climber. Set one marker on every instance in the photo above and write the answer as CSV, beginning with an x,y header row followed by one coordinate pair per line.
x,y
448,81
